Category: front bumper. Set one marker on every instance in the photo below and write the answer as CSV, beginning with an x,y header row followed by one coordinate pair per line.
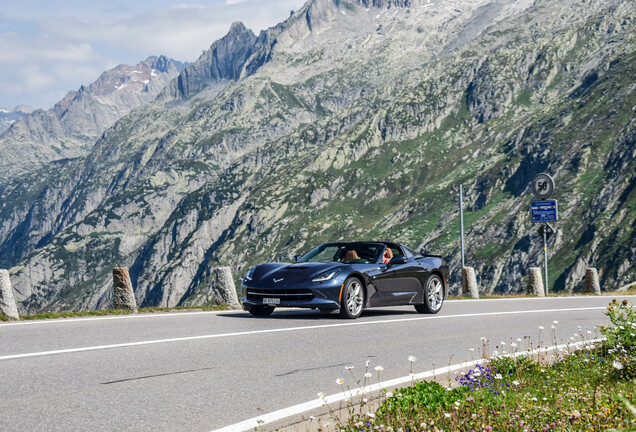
x,y
326,298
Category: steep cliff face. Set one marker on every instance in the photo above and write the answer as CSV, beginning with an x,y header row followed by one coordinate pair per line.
x,y
358,121
223,61
73,125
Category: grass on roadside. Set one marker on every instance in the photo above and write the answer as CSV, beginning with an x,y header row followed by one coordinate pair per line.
x,y
105,312
591,388
630,291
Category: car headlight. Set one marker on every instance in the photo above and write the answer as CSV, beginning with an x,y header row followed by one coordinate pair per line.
x,y
250,274
325,276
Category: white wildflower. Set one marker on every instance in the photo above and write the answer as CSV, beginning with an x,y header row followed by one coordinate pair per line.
x,y
339,381
368,375
379,368
515,383
498,377
412,359
617,365
541,327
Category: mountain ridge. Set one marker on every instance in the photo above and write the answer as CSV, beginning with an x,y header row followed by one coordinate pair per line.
x,y
71,126
361,131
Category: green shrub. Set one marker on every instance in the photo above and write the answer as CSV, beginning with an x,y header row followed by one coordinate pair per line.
x,y
621,338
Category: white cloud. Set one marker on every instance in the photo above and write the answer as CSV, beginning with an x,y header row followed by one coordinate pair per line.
x,y
181,31
59,52
35,79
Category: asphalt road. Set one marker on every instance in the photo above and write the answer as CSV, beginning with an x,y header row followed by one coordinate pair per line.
x,y
203,371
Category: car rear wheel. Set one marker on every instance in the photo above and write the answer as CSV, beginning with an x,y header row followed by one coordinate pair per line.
x,y
352,298
261,311
433,296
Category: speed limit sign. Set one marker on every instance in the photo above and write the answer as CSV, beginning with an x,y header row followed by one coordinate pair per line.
x,y
542,186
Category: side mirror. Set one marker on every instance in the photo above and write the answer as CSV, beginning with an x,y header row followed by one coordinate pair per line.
x,y
399,259
297,257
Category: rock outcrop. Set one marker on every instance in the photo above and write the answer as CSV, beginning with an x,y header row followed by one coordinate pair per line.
x,y
225,60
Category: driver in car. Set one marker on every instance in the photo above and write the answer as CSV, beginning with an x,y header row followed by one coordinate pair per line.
x,y
386,257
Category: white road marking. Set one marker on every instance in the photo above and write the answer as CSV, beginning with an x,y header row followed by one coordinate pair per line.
x,y
591,297
176,314
287,329
256,422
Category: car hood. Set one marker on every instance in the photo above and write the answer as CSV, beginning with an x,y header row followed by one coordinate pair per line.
x,y
292,273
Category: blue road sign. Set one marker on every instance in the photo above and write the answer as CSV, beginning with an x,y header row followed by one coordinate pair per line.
x,y
544,211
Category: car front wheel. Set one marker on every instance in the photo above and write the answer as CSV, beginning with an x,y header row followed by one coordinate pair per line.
x,y
433,295
352,298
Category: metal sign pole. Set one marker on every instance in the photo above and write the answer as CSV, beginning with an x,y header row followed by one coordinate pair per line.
x,y
461,222
545,256
545,211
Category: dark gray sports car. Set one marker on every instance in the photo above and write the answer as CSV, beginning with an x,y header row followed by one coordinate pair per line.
x,y
349,277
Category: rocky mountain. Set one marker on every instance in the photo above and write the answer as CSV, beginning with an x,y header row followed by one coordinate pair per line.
x,y
8,117
73,125
352,120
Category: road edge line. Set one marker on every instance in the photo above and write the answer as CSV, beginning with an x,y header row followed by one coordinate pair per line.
x,y
256,422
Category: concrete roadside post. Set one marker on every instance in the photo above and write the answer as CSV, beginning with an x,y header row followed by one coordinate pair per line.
x,y
123,295
535,283
7,300
224,287
592,284
469,282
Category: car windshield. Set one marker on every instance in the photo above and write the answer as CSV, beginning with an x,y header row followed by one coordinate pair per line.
x,y
348,253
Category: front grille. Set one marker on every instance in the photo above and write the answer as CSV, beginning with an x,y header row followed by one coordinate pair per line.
x,y
283,294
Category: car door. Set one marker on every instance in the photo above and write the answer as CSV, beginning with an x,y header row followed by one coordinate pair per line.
x,y
396,283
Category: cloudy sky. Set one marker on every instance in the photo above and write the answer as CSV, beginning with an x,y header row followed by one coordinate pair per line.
x,y
48,47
